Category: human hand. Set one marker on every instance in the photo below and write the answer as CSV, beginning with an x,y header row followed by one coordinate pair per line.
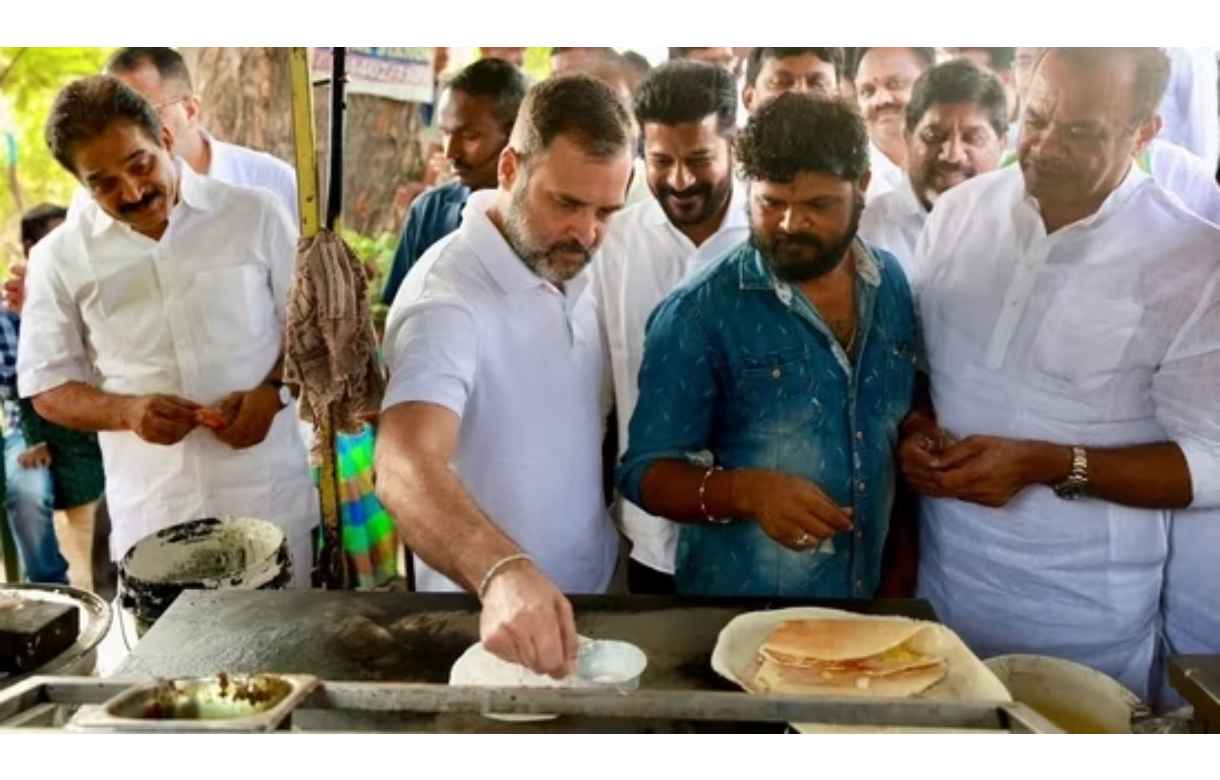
x,y
244,417
526,620
991,470
14,288
791,510
35,457
160,419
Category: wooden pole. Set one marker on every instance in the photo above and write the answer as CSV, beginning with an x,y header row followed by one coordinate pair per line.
x,y
307,199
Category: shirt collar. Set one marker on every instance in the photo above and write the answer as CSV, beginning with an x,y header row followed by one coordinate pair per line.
x,y
1131,182
499,259
755,275
908,200
735,216
192,190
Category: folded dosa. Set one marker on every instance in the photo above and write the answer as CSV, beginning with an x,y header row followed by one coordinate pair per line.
x,y
850,657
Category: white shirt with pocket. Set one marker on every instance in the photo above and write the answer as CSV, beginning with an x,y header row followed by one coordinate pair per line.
x,y
642,260
522,364
198,314
1102,334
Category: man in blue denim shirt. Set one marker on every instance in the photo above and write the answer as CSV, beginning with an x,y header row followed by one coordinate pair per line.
x,y
790,361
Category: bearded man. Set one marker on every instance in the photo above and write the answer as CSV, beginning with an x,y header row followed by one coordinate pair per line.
x,y
773,382
489,450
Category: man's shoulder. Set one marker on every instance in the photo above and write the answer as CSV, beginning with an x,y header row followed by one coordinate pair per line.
x,y
440,196
717,282
255,163
980,190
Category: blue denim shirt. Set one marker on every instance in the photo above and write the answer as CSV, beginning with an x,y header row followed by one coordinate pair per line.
x,y
739,364
434,215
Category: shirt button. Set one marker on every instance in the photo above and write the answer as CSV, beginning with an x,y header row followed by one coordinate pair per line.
x,y
859,435
860,486
860,585
776,373
859,533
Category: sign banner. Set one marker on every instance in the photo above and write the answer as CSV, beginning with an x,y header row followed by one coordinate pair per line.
x,y
396,73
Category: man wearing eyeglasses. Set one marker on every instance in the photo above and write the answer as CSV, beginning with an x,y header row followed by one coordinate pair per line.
x,y
155,316
160,75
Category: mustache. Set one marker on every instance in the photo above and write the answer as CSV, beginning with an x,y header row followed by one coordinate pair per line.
x,y
665,191
139,205
890,107
571,246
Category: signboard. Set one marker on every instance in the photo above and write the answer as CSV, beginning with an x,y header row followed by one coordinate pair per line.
x,y
396,73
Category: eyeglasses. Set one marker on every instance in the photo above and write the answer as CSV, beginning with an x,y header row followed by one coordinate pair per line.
x,y
159,107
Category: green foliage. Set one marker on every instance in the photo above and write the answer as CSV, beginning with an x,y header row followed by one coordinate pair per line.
x,y
537,63
377,254
30,77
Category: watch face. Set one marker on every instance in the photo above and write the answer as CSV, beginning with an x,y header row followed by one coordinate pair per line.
x,y
1070,490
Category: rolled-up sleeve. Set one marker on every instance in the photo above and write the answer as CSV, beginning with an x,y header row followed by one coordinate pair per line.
x,y
51,350
1187,402
678,393
431,349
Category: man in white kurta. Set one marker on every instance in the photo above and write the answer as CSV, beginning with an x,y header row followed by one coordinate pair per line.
x,y
687,112
956,121
1098,335
196,314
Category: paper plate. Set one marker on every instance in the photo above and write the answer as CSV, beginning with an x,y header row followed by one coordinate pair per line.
x,y
966,678
600,664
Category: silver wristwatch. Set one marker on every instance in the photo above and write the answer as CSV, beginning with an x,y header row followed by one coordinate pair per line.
x,y
1078,480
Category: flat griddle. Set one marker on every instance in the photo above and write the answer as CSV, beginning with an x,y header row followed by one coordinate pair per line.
x,y
415,638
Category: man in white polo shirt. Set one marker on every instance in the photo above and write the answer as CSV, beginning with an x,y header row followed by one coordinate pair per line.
x,y
687,111
1068,306
489,451
161,296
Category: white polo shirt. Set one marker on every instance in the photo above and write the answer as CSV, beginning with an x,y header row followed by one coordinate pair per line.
x,y
198,314
476,331
643,258
893,221
1103,334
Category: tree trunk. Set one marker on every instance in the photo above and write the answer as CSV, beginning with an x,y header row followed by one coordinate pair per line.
x,y
246,96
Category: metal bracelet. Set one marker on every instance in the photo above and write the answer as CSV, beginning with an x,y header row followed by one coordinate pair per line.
x,y
495,568
703,496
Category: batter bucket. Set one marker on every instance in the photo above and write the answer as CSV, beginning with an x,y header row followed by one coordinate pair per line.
x,y
1080,700
239,553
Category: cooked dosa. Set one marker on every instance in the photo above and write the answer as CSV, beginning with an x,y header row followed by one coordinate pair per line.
x,y
850,657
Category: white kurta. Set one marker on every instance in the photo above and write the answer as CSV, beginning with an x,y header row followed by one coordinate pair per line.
x,y
522,364
1186,175
1189,108
198,314
886,174
1101,335
245,167
643,258
893,221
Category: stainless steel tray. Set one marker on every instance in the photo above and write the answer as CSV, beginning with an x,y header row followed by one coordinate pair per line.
x,y
223,703
95,618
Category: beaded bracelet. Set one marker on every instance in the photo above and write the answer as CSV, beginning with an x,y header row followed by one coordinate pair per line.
x,y
703,497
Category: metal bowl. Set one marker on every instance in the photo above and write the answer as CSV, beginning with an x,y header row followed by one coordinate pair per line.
x,y
610,663
95,617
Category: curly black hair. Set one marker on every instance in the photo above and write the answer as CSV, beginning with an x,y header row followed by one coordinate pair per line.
x,y
796,133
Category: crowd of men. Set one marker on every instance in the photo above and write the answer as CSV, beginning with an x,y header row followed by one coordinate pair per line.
x,y
854,322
